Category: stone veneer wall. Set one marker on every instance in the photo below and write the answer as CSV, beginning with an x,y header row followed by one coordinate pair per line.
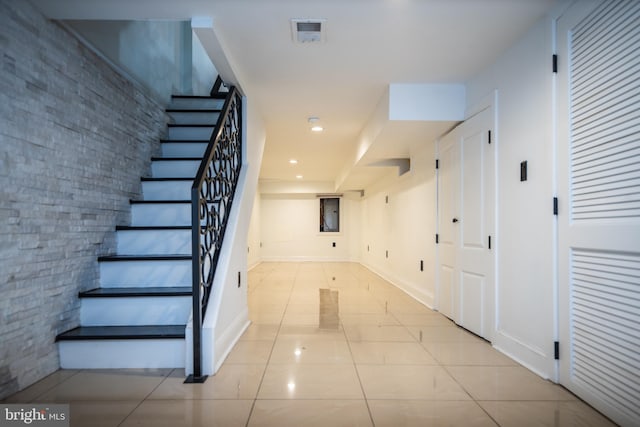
x,y
75,137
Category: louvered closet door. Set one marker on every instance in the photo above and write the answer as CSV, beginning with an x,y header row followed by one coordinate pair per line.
x,y
599,205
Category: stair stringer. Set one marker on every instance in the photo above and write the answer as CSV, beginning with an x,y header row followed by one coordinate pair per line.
x,y
227,314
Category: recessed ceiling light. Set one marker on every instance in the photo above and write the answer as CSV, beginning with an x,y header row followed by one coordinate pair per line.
x,y
293,161
315,125
299,176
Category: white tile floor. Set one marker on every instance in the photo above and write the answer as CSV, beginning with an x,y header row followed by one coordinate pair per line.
x,y
389,361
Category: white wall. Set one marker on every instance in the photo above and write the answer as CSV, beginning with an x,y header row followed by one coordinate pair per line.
x,y
405,226
525,241
433,102
290,229
165,57
203,73
254,256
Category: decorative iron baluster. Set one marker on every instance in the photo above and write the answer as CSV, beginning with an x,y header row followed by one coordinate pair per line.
x,y
211,198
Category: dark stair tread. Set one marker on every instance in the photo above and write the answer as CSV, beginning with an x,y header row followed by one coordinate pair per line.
x,y
152,227
158,291
213,96
149,179
171,159
193,110
185,141
181,125
152,202
112,258
122,332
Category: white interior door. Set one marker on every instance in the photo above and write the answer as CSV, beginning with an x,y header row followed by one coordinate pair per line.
x,y
465,223
448,200
475,225
599,205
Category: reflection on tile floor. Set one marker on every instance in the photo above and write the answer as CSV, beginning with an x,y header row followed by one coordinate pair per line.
x,y
330,344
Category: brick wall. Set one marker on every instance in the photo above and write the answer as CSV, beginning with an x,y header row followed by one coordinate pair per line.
x,y
75,137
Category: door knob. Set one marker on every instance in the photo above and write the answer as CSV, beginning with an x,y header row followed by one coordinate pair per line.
x,y
454,220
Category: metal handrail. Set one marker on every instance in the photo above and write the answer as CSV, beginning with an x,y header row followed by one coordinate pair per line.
x,y
212,195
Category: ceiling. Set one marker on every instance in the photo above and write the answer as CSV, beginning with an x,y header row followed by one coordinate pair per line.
x,y
369,45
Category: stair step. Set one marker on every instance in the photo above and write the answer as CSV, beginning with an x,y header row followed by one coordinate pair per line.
x,y
166,188
175,159
190,125
144,270
161,213
118,353
184,141
140,310
152,179
194,116
175,167
218,96
159,202
82,333
191,110
184,148
157,291
169,202
148,241
116,347
197,132
196,102
152,227
118,258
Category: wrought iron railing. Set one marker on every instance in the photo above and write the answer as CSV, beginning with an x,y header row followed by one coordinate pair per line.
x,y
211,198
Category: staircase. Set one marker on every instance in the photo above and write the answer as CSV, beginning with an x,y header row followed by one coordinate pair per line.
x,y
137,318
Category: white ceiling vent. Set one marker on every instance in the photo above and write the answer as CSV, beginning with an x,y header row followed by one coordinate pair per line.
x,y
308,30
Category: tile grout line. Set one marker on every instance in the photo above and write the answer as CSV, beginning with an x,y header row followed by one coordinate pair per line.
x,y
6,401
444,368
473,399
56,385
355,367
144,399
264,373
438,363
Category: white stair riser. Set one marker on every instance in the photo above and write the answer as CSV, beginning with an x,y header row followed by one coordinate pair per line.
x,y
194,118
174,168
135,311
190,133
196,103
183,149
166,190
145,273
121,354
161,214
153,242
